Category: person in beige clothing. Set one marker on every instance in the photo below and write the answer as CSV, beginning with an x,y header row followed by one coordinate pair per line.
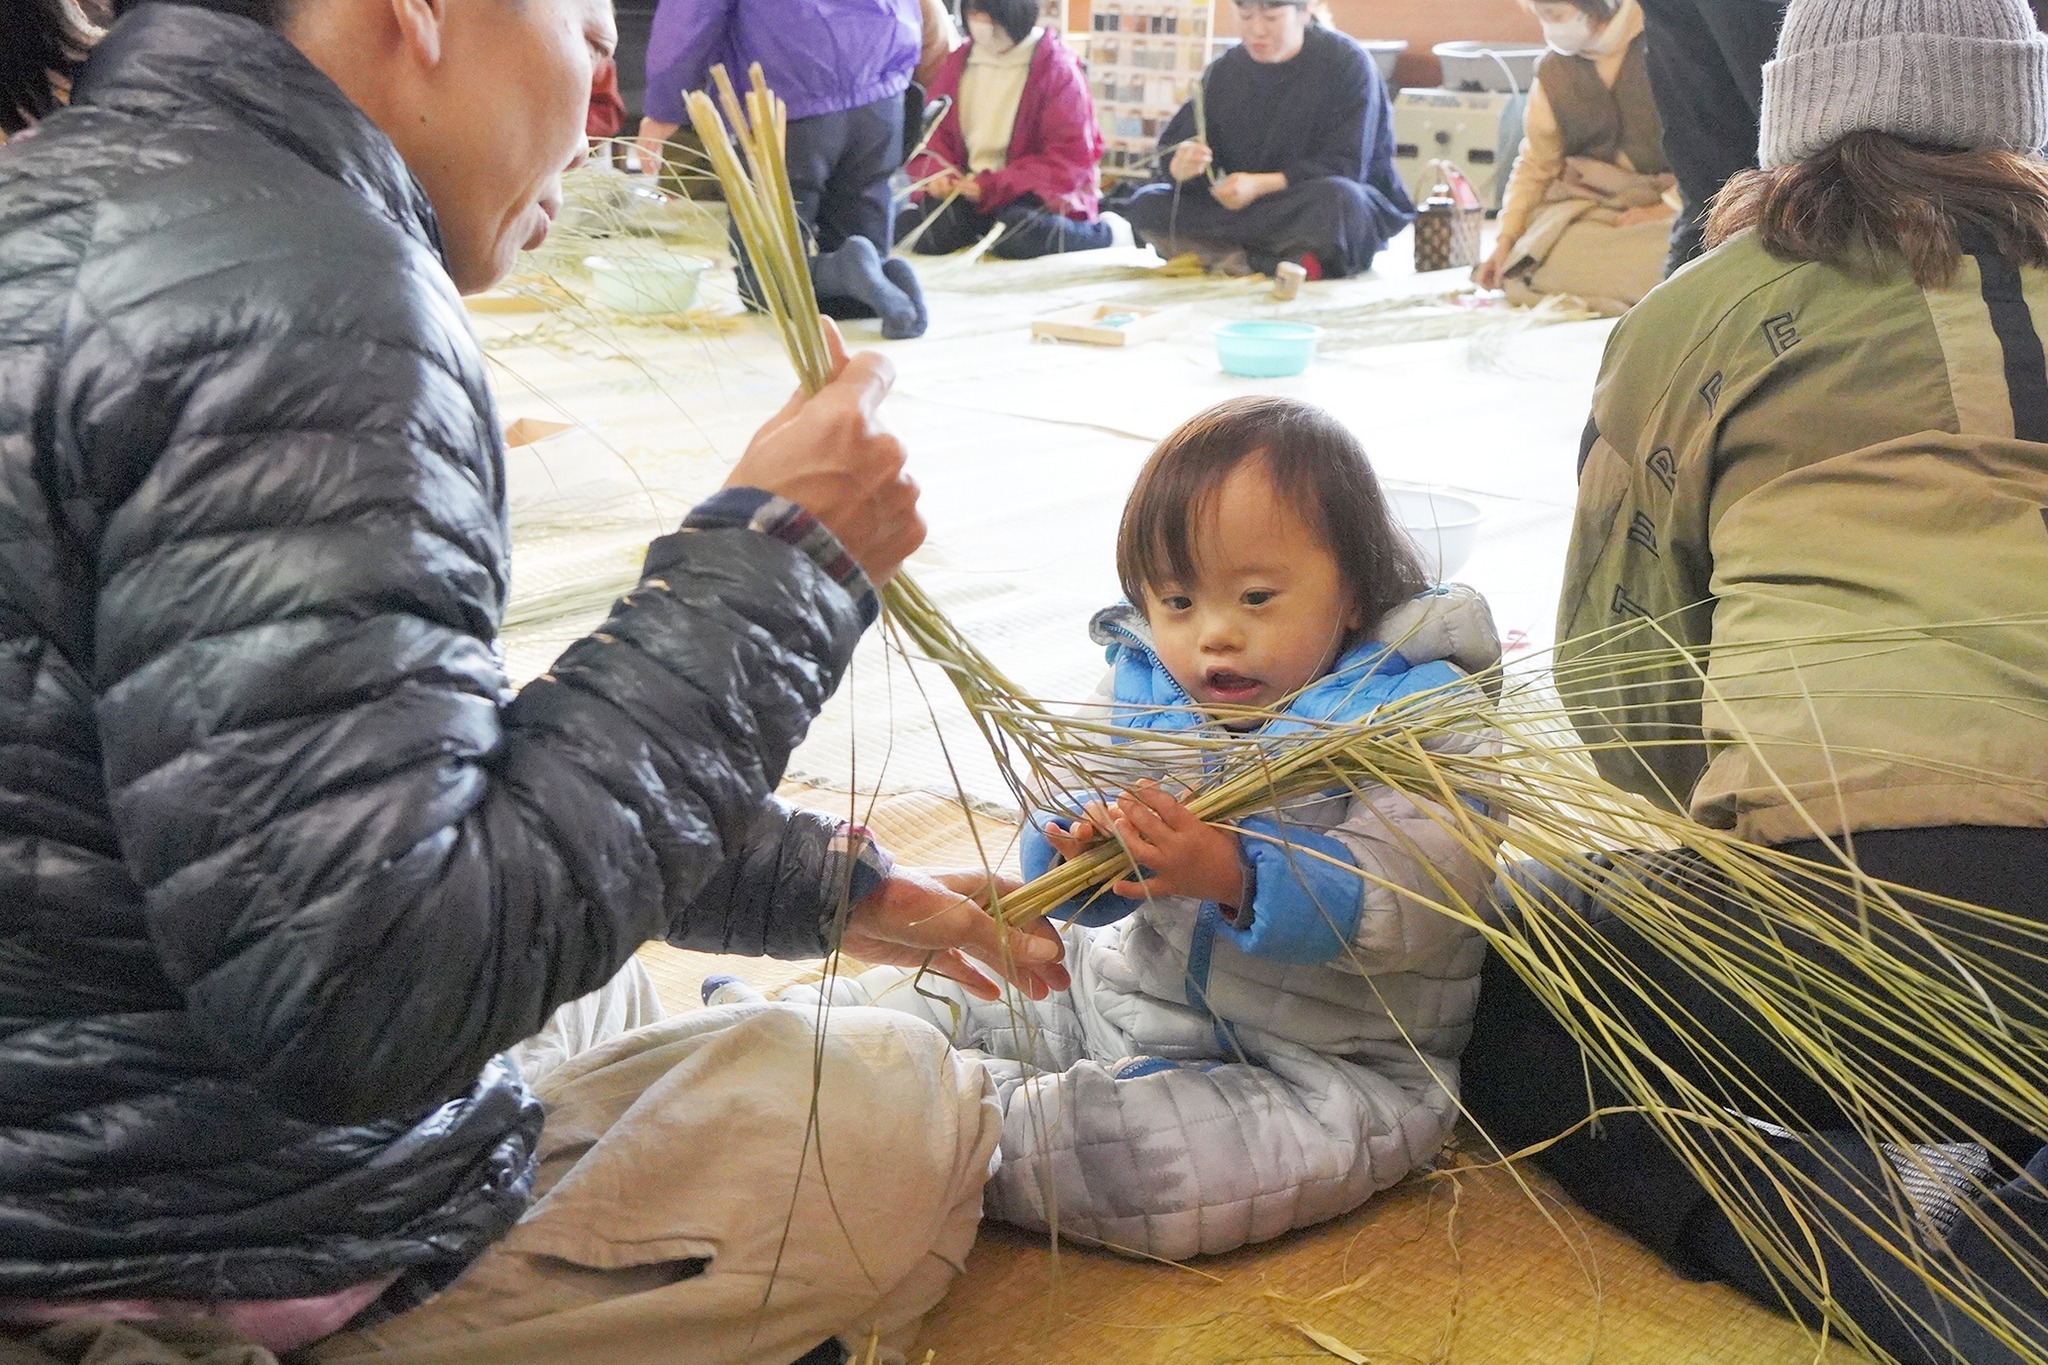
x,y
690,1204
1016,153
1588,206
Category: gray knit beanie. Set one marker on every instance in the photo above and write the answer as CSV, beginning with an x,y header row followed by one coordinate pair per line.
x,y
1966,74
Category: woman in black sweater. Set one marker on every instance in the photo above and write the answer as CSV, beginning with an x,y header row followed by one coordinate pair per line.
x,y
1300,130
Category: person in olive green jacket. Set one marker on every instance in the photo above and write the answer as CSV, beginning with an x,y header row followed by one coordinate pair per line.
x,y
1807,601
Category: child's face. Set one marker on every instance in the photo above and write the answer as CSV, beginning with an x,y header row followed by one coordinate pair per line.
x,y
1268,610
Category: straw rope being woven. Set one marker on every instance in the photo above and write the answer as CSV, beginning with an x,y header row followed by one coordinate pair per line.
x,y
1842,995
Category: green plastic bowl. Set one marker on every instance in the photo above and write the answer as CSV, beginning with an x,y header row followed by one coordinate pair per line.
x,y
1266,350
645,285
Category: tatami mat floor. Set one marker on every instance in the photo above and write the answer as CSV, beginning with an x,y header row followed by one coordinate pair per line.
x,y
1473,1265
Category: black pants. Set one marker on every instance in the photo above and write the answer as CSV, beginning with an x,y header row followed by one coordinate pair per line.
x,y
839,169
1344,222
1706,62
1524,1079
1030,230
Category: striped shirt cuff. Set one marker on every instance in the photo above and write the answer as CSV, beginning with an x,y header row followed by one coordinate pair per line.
x,y
855,865
755,509
871,863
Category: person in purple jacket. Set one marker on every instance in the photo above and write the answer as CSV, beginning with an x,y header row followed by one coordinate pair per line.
x,y
1019,144
842,67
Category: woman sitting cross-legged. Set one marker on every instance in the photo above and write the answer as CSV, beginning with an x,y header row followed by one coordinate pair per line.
x,y
1019,146
1300,132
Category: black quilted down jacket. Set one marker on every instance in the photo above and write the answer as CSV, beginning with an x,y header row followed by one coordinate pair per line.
x,y
282,868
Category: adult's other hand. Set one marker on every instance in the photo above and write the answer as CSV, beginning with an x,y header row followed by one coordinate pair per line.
x,y
940,920
830,454
1239,188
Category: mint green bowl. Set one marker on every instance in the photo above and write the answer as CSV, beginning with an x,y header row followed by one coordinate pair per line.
x,y
650,285
1266,350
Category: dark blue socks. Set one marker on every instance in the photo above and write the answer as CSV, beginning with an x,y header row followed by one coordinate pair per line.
x,y
855,273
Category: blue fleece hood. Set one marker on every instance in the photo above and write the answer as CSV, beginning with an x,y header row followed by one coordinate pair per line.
x,y
1365,677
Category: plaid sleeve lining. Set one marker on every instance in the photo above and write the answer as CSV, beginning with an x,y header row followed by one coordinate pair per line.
x,y
871,864
755,509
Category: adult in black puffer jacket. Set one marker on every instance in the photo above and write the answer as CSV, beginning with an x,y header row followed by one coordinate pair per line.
x,y
282,867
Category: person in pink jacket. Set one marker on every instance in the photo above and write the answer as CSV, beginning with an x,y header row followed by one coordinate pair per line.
x,y
1019,145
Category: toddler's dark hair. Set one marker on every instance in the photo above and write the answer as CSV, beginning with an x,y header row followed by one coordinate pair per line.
x,y
1317,466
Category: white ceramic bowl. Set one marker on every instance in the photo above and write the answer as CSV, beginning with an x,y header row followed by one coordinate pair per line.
x,y
1443,526
1509,68
1385,52
646,285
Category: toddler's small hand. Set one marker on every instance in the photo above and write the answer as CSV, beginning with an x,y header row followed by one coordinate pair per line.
x,y
1184,855
1072,840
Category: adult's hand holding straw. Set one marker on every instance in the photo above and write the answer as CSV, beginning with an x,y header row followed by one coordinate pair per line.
x,y
1190,159
829,453
837,463
940,921
825,450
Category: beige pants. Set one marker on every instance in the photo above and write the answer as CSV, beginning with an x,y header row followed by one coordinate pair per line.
x,y
1608,268
622,1004
684,1140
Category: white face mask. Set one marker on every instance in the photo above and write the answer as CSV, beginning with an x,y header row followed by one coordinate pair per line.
x,y
985,34
1571,37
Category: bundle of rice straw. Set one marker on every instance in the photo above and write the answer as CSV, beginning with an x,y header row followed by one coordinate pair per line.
x,y
1839,994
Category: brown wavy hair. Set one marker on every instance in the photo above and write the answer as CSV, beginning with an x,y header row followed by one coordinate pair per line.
x,y
1873,201
1317,466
